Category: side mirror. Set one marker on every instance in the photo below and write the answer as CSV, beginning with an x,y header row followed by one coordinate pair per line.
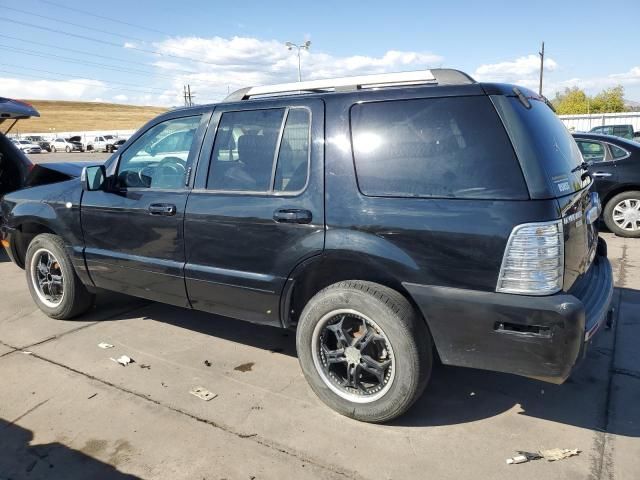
x,y
93,178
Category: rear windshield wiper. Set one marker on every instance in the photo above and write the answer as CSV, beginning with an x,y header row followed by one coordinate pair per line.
x,y
582,166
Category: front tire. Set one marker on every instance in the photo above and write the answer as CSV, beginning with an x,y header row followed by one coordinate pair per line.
x,y
67,149
53,283
622,214
53,150
364,350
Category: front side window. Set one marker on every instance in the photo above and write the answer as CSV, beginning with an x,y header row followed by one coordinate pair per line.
x,y
158,158
453,147
591,151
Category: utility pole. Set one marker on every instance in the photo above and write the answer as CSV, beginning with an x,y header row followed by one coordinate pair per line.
x,y
541,53
188,96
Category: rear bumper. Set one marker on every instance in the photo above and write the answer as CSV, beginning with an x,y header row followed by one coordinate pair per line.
x,y
540,337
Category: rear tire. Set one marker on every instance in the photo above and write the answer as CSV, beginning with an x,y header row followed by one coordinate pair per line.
x,y
52,280
622,214
384,375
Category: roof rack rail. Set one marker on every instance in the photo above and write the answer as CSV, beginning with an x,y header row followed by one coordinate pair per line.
x,y
438,76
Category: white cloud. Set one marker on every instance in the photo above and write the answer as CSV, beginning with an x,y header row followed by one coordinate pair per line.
x,y
226,64
523,70
51,89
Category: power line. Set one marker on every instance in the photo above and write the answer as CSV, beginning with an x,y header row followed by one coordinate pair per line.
x,y
111,19
104,42
74,77
83,52
67,22
81,62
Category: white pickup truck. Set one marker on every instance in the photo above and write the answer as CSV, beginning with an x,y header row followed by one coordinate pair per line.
x,y
102,143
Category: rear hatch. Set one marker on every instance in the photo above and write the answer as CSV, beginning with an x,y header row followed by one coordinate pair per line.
x,y
554,168
14,164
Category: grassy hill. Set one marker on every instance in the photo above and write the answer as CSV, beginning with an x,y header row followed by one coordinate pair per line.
x,y
74,116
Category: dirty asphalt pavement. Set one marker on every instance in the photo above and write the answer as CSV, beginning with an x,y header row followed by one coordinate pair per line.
x,y
68,411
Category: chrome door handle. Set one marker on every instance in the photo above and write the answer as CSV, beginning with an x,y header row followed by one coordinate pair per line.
x,y
601,174
162,209
292,215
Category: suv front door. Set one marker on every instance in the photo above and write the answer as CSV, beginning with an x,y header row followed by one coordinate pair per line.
x,y
257,209
133,231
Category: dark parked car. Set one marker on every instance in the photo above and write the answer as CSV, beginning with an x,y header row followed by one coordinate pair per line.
x,y
39,140
622,131
385,218
117,144
615,165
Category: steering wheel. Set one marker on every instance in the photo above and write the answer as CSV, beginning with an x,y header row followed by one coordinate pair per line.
x,y
170,172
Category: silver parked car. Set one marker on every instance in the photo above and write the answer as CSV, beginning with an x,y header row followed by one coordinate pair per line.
x,y
27,147
65,144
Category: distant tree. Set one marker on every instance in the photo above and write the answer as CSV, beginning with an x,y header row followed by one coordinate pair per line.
x,y
570,102
575,101
610,100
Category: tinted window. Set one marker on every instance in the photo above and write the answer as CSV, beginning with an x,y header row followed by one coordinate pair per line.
x,y
244,150
293,157
625,131
550,143
158,158
591,151
440,147
618,152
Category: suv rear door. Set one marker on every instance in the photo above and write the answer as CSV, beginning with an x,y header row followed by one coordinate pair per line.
x,y
257,209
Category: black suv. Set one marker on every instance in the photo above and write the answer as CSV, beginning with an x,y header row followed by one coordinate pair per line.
x,y
388,219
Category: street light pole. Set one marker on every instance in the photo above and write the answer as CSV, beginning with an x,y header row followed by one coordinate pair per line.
x,y
541,53
305,46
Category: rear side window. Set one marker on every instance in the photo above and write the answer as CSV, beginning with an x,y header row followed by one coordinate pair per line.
x,y
248,143
293,157
618,152
440,147
244,150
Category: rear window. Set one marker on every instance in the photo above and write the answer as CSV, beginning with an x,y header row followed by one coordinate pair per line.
x,y
552,145
452,147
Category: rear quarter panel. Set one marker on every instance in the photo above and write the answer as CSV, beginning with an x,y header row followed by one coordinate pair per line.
x,y
444,242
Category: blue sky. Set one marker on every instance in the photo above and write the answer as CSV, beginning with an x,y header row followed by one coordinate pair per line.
x,y
51,49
